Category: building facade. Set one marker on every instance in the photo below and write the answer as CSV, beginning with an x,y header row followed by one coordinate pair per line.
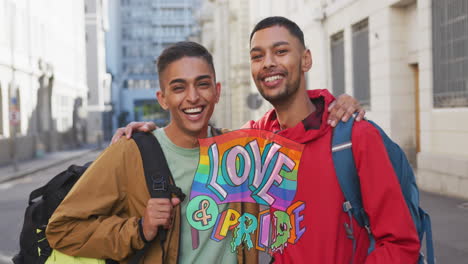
x,y
99,117
43,85
224,27
406,61
143,28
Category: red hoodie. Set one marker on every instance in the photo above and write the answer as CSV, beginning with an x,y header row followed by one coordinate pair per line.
x,y
325,239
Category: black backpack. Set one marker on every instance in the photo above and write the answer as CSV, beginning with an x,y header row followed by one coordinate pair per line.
x,y
34,247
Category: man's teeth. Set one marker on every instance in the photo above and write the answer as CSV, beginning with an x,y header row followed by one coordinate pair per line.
x,y
195,110
273,78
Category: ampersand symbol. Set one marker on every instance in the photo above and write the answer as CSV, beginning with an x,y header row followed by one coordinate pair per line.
x,y
205,204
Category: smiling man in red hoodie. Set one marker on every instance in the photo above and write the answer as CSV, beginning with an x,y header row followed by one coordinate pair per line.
x,y
279,61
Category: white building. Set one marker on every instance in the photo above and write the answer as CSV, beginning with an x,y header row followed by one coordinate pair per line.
x,y
225,33
405,60
99,121
42,73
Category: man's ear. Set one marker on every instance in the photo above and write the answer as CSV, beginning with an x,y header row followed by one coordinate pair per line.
x,y
161,99
306,60
218,91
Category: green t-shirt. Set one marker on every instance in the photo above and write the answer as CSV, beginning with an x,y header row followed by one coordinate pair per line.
x,y
183,164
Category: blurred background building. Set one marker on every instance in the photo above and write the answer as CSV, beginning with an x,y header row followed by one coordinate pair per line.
x,y
99,121
140,30
405,60
43,81
224,31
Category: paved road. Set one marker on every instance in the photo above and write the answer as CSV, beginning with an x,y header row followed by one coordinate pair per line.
x,y
449,226
449,216
13,201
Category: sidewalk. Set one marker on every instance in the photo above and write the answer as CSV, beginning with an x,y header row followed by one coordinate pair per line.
x,y
7,172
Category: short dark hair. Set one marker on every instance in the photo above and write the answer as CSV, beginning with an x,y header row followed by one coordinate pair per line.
x,y
183,49
292,27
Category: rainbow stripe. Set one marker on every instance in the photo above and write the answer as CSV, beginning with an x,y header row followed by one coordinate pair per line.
x,y
282,194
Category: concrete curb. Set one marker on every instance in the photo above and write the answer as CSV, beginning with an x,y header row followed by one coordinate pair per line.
x,y
23,173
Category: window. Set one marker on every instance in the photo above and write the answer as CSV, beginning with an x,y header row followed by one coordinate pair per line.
x,y
450,53
337,61
361,80
126,33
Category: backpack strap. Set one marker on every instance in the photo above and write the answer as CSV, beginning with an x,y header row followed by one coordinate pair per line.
x,y
157,173
348,179
158,180
426,222
346,171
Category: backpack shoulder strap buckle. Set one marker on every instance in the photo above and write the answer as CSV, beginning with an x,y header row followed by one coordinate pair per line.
x,y
159,184
347,206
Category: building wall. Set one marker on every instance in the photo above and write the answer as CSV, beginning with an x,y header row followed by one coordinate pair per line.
x,y
400,73
391,75
42,39
232,61
225,31
114,57
98,79
239,67
221,15
400,47
443,160
140,30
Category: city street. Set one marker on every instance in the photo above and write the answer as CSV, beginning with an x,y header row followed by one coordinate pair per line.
x,y
13,202
449,216
73,72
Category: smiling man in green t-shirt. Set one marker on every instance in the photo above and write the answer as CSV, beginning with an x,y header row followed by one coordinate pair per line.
x,y
109,214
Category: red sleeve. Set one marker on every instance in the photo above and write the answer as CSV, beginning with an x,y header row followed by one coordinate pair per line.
x,y
390,220
249,124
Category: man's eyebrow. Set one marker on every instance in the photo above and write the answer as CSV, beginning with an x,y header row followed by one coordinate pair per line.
x,y
255,49
279,43
177,81
201,77
276,44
